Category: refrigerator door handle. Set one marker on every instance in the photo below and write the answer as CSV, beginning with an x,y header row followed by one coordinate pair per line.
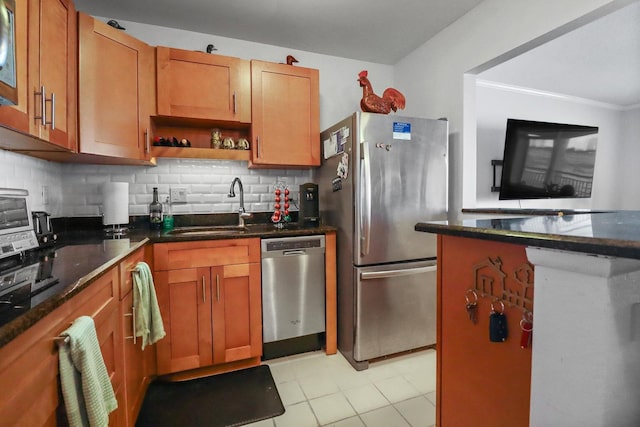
x,y
396,273
365,200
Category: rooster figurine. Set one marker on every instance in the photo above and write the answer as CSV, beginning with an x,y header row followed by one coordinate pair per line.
x,y
391,98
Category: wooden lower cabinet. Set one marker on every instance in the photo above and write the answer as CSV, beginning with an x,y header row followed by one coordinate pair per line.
x,y
29,364
479,382
138,364
210,298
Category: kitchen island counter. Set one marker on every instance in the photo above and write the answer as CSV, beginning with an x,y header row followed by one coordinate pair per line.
x,y
605,233
574,280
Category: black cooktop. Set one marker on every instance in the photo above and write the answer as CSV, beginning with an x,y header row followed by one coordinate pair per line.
x,y
24,281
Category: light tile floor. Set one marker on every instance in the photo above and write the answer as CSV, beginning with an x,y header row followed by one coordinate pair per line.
x,y
321,390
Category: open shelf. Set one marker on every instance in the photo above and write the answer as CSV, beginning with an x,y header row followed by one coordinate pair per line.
x,y
198,132
200,153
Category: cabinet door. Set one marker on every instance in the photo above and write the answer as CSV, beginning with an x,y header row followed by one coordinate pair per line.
x,y
52,71
135,380
184,297
17,116
285,115
203,86
475,376
116,91
237,315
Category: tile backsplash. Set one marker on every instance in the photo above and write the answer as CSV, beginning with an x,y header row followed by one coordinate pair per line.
x,y
75,189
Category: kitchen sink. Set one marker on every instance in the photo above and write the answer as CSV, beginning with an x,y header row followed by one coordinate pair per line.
x,y
207,230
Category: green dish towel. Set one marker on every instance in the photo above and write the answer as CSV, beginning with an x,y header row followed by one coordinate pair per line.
x,y
86,387
147,312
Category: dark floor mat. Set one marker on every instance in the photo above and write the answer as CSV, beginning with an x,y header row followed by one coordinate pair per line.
x,y
232,399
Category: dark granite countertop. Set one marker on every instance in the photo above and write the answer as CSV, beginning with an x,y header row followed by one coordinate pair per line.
x,y
604,233
84,253
74,267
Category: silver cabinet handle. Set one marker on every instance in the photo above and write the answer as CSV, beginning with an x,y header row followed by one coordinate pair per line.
x,y
133,323
147,148
396,273
217,287
235,103
204,289
365,197
257,146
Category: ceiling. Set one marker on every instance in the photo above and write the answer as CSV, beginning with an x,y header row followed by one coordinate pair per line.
x,y
599,61
375,31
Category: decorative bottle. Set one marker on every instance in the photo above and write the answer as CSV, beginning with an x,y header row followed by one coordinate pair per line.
x,y
155,211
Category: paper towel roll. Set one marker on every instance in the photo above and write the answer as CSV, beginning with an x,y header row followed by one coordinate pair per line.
x,y
115,203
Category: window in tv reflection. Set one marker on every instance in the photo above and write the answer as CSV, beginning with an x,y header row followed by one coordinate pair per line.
x,y
547,160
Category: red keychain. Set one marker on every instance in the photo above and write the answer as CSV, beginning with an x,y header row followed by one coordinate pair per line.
x,y
526,324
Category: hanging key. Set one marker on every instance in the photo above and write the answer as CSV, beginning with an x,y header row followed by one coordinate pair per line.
x,y
472,311
498,331
472,305
526,324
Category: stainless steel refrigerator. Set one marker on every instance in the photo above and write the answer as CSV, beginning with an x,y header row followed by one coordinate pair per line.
x,y
380,175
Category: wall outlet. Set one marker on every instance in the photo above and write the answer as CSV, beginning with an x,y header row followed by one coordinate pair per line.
x,y
178,195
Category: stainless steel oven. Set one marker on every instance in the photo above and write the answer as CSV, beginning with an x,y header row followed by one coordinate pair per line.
x,y
16,226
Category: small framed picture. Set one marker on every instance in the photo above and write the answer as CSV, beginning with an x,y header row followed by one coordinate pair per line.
x,y
8,78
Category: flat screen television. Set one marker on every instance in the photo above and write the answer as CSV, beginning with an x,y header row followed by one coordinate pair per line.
x,y
547,160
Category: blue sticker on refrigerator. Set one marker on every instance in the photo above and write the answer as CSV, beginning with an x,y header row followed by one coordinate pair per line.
x,y
402,130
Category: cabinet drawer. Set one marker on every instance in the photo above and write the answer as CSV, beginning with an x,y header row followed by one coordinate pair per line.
x,y
210,253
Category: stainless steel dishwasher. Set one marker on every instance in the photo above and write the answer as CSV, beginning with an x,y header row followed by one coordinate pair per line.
x,y
293,295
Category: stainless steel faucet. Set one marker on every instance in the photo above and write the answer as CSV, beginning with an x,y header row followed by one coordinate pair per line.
x,y
242,214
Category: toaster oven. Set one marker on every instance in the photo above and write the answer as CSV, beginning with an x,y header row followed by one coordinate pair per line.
x,y
16,226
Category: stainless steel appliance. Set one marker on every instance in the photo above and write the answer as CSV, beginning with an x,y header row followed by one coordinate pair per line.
x,y
293,294
43,228
381,174
16,227
309,215
22,282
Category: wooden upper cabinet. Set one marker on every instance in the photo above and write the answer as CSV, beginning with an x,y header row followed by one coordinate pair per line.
x,y
17,116
285,114
116,94
199,85
52,71
45,76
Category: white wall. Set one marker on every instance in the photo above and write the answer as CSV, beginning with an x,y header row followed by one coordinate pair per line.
x,y
627,186
74,188
490,33
207,184
495,103
18,171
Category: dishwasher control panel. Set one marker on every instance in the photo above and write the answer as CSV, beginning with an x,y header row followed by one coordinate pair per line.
x,y
289,243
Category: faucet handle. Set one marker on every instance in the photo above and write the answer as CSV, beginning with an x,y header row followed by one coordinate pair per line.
x,y
246,215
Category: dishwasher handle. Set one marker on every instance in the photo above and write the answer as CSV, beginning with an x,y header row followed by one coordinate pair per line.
x,y
294,252
367,275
